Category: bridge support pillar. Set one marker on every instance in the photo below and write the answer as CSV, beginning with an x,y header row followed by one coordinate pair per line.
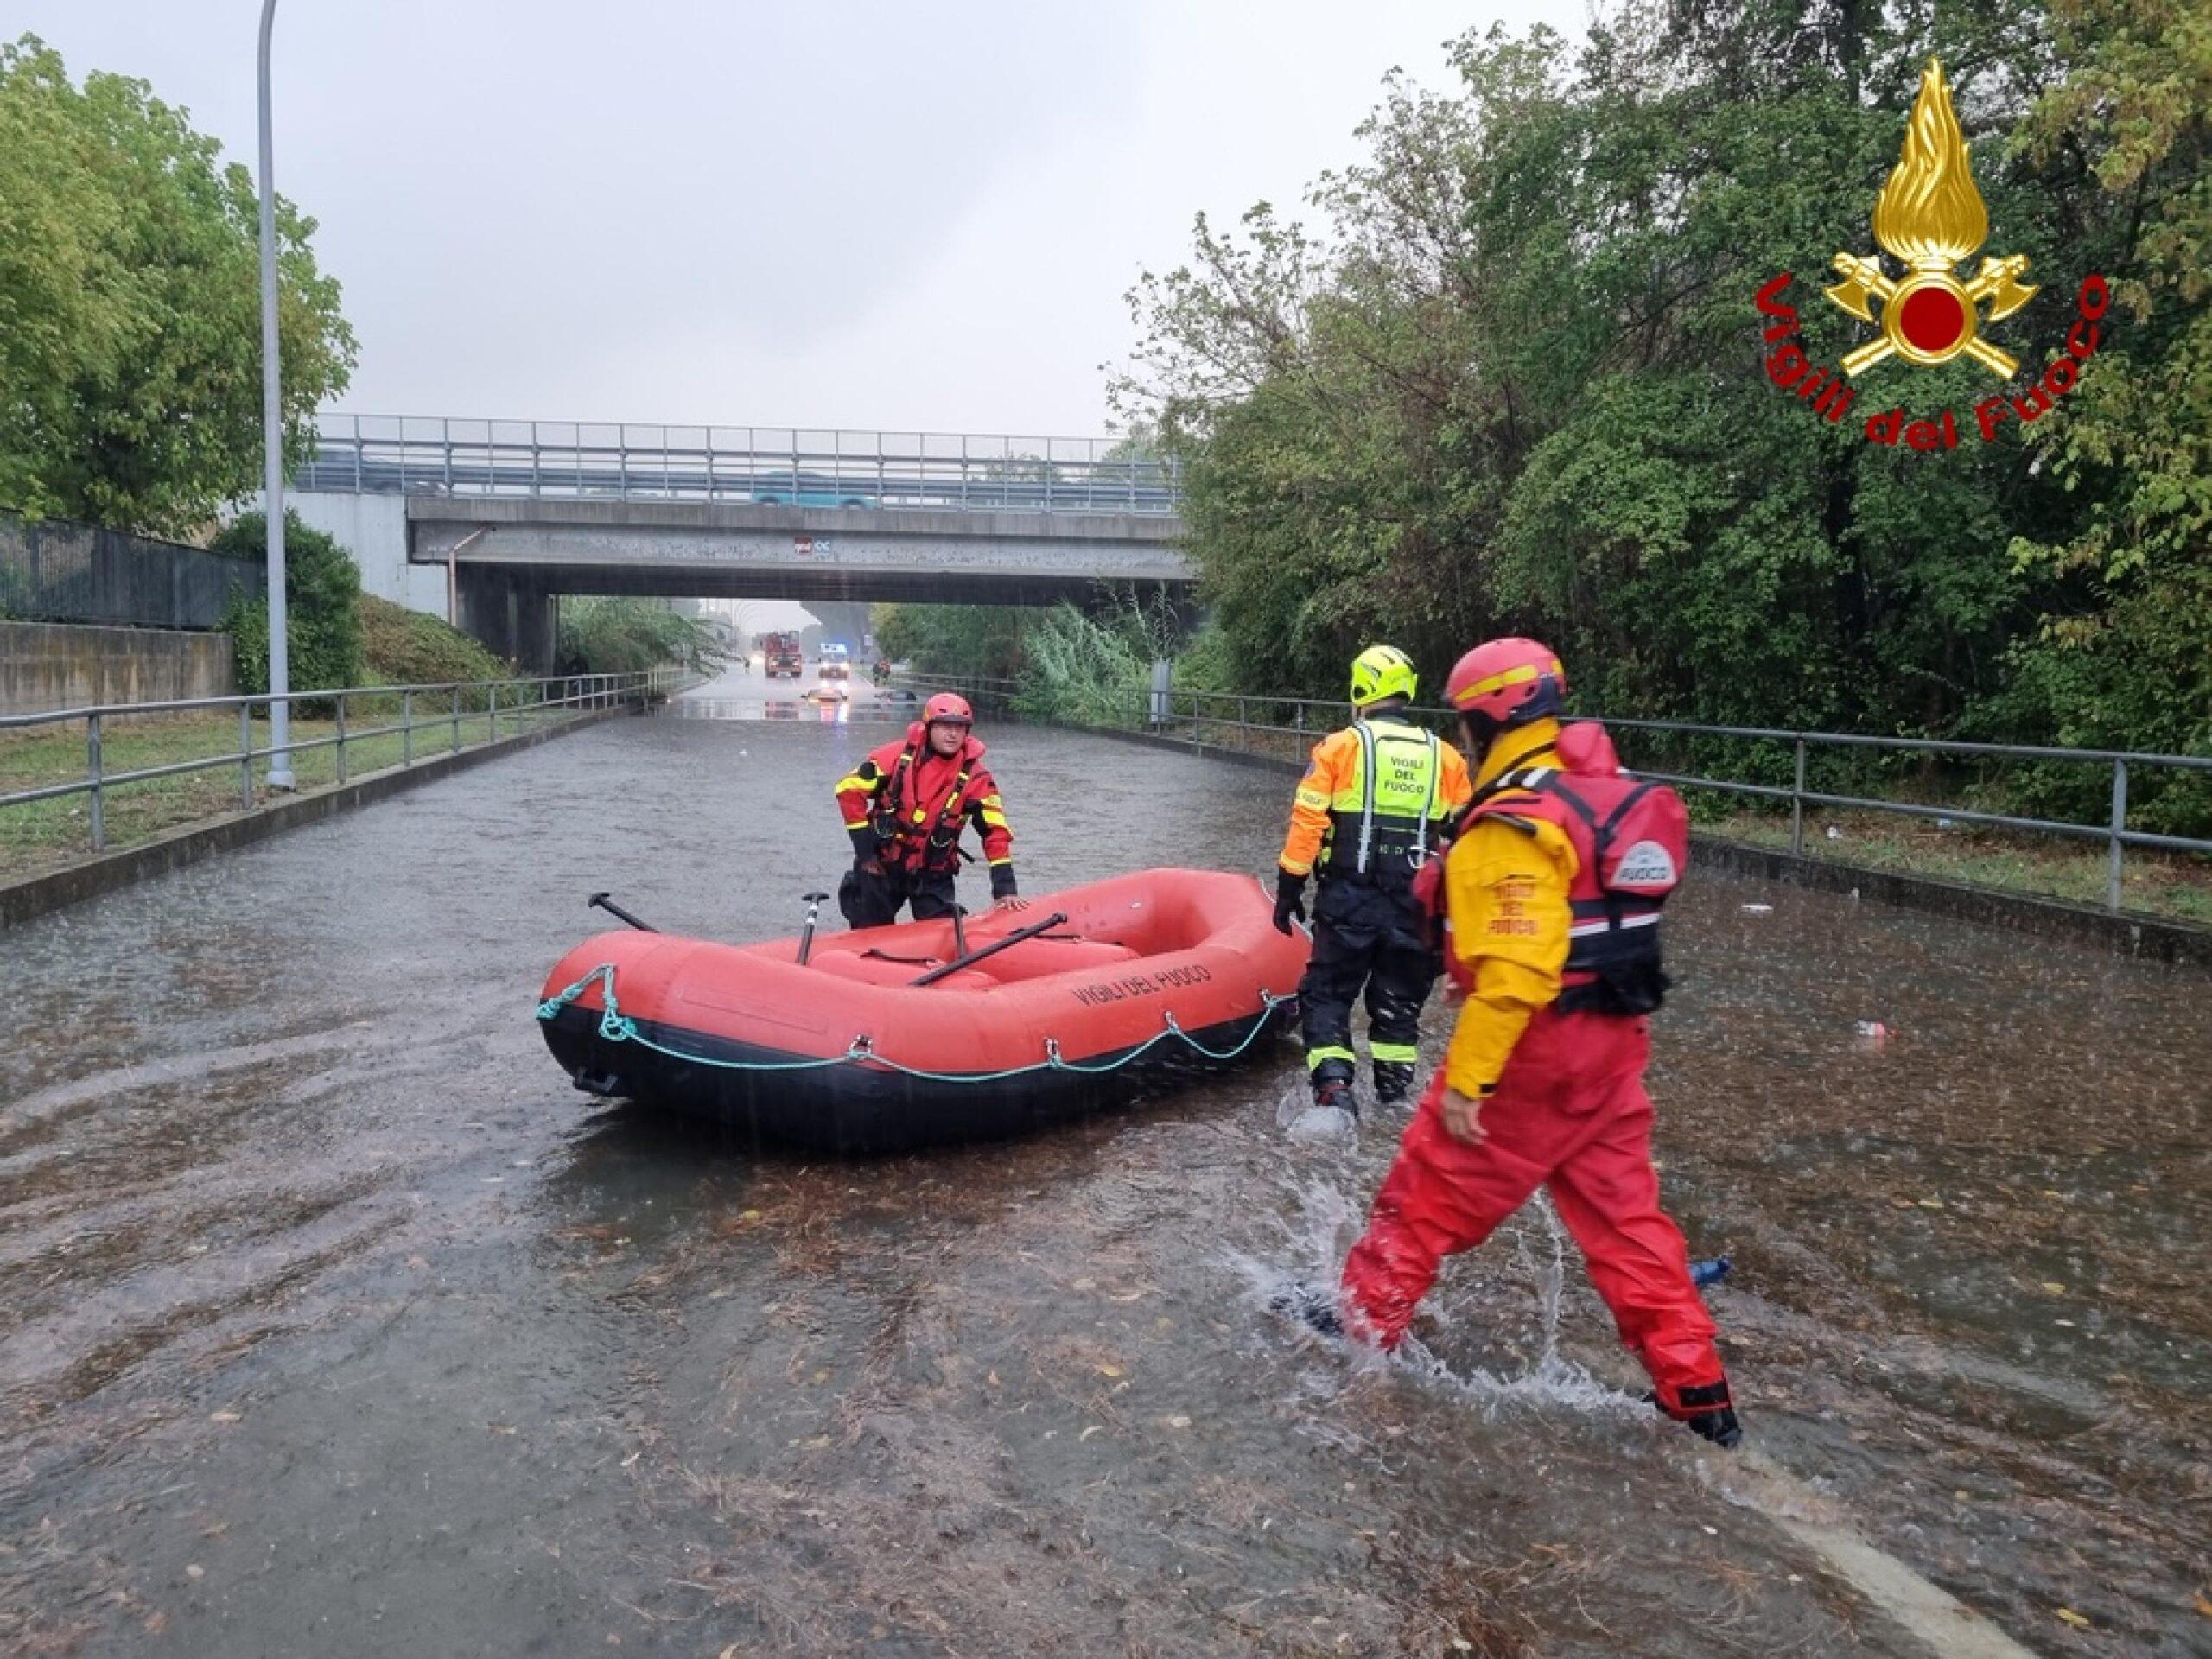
x,y
509,612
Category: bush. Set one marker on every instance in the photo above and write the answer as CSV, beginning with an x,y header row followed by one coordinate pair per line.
x,y
405,647
628,636
322,597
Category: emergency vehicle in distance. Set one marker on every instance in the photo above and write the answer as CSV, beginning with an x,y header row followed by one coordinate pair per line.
x,y
836,663
779,654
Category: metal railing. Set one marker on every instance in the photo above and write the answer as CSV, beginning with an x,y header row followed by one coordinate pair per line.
x,y
55,571
770,466
1283,725
459,712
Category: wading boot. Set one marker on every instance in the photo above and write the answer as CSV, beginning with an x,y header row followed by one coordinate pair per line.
x,y
1394,1084
1705,1411
1312,1307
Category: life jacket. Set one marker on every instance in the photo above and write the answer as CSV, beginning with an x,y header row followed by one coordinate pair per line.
x,y
1631,845
924,834
1385,820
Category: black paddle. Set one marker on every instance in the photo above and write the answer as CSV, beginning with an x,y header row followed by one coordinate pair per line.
x,y
806,933
608,904
969,959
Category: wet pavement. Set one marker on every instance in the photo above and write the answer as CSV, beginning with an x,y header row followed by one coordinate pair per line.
x,y
334,1321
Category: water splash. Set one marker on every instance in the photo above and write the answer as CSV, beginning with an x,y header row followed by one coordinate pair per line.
x,y
1316,1239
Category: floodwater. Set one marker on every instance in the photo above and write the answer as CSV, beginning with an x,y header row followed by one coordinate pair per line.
x,y
332,1321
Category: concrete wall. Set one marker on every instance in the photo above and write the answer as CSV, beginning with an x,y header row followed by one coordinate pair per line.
x,y
45,665
512,614
373,529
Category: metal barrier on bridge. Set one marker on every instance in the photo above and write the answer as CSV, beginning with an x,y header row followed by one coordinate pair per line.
x,y
767,466
1252,723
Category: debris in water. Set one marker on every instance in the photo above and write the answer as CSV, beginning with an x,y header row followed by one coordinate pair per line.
x,y
1710,1270
2074,1619
1758,910
1874,1032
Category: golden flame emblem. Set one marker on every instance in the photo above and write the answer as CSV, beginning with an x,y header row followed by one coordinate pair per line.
x,y
1929,218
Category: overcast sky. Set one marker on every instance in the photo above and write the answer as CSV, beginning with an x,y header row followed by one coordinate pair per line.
x,y
857,215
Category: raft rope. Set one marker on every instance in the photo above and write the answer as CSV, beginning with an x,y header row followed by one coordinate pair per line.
x,y
615,1027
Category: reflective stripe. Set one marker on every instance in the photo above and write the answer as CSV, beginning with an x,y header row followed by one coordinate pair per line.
x,y
1520,676
1317,1057
1436,782
1393,1053
1367,792
1579,928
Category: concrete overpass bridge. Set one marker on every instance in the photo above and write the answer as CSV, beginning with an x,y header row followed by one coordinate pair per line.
x,y
486,522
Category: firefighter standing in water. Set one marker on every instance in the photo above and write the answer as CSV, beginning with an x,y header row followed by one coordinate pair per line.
x,y
1370,809
904,807
1551,892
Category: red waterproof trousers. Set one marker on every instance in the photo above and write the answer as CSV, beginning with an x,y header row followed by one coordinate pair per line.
x,y
1570,1114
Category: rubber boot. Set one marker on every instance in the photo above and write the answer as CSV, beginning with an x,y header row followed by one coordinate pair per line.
x,y
1394,1082
1311,1305
1705,1411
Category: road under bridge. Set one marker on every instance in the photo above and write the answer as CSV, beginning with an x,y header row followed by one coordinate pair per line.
x,y
335,1320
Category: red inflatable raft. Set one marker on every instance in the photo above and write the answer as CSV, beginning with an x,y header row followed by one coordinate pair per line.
x,y
849,1050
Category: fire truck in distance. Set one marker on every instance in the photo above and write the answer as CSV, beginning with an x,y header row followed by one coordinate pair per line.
x,y
779,654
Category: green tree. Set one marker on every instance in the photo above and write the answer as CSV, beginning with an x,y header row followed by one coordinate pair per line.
x,y
629,636
2123,654
1511,378
129,307
322,608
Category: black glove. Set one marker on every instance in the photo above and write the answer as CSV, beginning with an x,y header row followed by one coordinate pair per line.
x,y
1003,881
1290,899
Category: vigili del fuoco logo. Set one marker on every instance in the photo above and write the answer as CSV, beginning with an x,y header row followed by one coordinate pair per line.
x,y
1930,219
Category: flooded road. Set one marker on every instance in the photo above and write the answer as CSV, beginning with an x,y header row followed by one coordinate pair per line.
x,y
332,1321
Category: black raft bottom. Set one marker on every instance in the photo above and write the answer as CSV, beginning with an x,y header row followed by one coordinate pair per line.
x,y
857,1108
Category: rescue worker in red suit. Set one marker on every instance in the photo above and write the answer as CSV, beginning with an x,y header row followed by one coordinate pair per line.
x,y
1543,1083
904,807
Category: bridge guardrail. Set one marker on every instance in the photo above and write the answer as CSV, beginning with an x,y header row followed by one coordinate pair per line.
x,y
778,466
455,702
1210,717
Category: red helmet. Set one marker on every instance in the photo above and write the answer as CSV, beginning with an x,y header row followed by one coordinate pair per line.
x,y
948,706
1507,682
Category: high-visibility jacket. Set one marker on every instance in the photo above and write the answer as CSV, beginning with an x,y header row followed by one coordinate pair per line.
x,y
1373,802
905,806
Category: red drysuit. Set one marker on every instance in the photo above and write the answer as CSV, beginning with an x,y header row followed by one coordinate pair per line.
x,y
1562,1097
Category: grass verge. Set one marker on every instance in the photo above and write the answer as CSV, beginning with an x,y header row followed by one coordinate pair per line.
x,y
40,835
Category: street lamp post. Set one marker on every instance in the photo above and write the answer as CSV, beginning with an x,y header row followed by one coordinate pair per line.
x,y
272,441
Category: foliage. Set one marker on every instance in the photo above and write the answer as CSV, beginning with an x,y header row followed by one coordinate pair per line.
x,y
629,636
983,639
129,307
2124,654
1068,662
1511,379
322,598
405,647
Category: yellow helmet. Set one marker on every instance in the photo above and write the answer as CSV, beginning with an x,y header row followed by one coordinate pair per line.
x,y
1382,671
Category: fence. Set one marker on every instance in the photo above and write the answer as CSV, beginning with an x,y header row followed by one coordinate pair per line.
x,y
447,716
1255,724
772,466
61,572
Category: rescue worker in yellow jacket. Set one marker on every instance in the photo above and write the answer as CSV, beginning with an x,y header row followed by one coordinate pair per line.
x,y
1370,809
